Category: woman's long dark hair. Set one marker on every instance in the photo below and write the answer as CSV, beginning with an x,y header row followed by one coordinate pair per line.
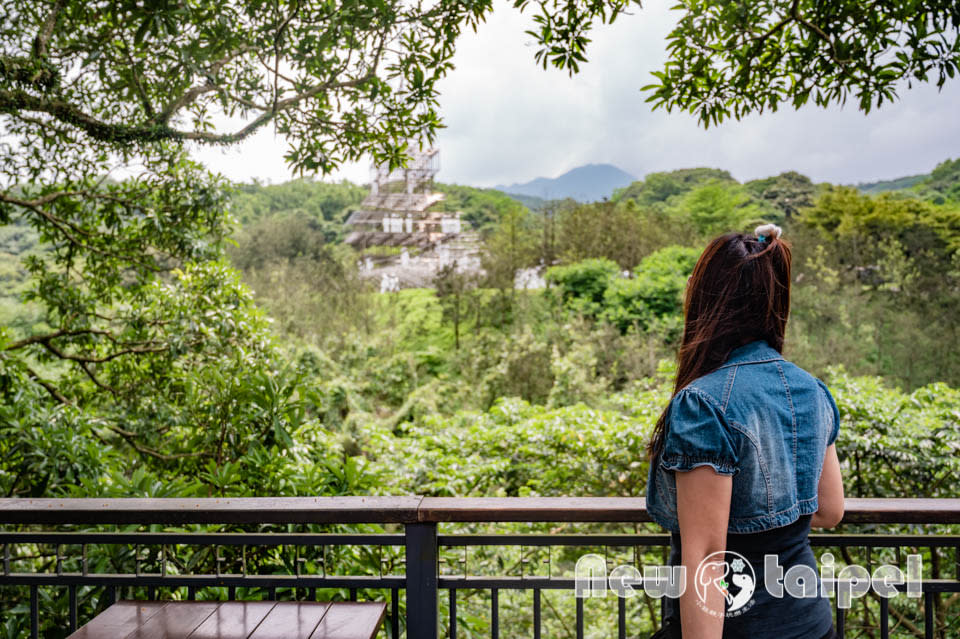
x,y
739,292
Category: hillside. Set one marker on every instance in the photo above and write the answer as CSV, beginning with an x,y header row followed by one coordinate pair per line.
x,y
898,184
589,183
940,186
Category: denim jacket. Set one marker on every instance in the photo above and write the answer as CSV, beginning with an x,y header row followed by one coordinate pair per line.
x,y
759,418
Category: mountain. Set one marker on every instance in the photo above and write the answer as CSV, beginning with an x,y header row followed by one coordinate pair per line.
x,y
532,202
588,183
892,185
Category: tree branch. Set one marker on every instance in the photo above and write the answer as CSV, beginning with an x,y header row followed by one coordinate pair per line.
x,y
40,201
130,438
39,339
100,360
68,229
144,100
13,102
192,94
184,100
102,385
787,19
50,388
43,38
795,12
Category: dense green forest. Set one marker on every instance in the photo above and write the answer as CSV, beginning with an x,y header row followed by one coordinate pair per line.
x,y
312,383
875,276
300,336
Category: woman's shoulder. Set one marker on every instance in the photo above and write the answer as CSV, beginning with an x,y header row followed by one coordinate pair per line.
x,y
796,374
692,399
810,395
708,387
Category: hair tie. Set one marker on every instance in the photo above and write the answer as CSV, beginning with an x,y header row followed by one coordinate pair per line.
x,y
766,230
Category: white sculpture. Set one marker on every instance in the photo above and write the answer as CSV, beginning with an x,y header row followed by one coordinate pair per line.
x,y
449,224
389,283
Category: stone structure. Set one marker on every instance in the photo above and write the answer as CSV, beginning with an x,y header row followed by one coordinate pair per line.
x,y
401,207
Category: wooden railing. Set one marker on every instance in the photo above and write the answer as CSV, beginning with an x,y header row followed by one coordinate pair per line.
x,y
408,510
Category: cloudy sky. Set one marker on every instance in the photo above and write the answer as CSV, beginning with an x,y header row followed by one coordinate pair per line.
x,y
509,120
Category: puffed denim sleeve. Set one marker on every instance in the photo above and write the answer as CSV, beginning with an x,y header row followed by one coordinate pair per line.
x,y
698,435
835,426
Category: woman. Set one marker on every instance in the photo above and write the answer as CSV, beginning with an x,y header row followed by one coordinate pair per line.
x,y
743,457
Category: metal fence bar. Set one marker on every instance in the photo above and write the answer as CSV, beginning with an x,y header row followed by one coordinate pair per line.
x,y
421,580
34,613
863,540
579,617
200,581
536,613
394,613
73,606
884,618
621,618
452,605
534,539
205,539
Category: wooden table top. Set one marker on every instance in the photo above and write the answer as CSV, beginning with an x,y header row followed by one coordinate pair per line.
x,y
236,620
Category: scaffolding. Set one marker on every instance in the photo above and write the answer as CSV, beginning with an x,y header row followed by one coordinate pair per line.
x,y
400,209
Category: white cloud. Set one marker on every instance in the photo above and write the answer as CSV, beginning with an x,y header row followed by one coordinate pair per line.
x,y
509,120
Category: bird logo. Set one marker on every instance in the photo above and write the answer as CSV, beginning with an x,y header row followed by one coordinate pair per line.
x,y
731,575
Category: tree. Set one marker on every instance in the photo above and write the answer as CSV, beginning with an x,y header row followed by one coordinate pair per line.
x,y
717,206
943,185
582,284
480,208
326,202
884,270
659,187
453,285
510,246
98,102
733,58
312,288
654,295
339,79
789,192
619,231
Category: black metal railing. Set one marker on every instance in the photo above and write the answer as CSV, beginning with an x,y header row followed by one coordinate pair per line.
x,y
80,572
